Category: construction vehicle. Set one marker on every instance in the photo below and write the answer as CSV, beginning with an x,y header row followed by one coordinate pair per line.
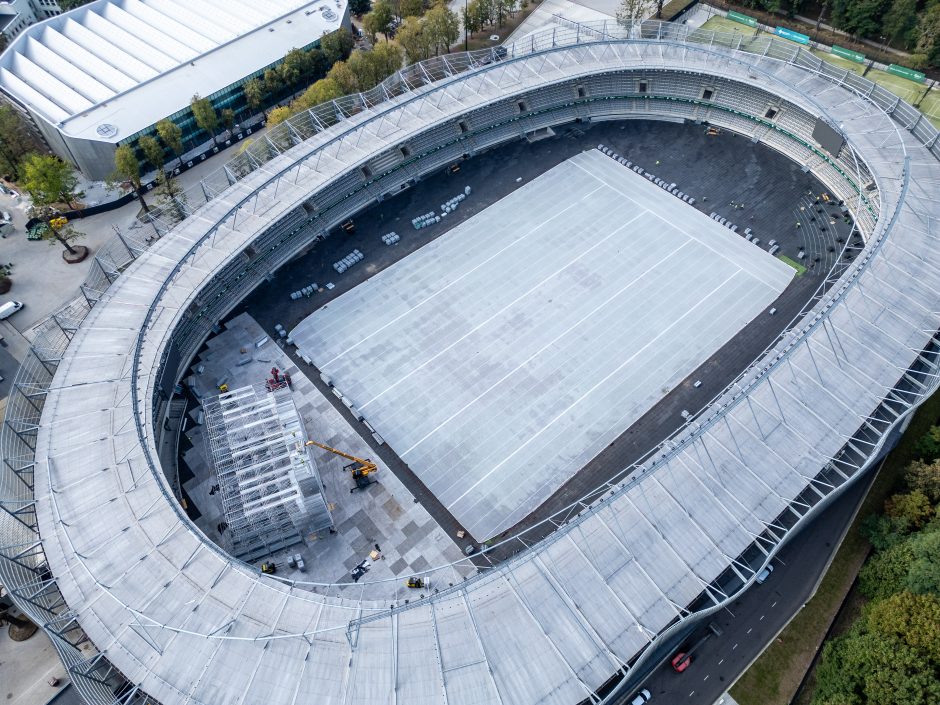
x,y
269,568
359,468
418,583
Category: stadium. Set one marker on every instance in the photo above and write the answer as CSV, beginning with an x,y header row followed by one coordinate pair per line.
x,y
761,386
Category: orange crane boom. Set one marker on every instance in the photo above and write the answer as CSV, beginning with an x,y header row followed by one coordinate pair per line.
x,y
365,467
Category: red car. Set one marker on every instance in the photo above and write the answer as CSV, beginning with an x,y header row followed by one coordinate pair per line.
x,y
681,661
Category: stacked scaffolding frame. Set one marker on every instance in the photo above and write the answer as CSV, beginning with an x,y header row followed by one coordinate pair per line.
x,y
271,492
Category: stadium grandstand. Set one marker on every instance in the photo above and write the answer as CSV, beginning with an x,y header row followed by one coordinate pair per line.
x,y
140,605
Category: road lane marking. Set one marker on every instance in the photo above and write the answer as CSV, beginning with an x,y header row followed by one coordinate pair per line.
x,y
749,630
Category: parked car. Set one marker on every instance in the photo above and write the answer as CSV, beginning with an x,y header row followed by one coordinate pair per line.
x,y
642,697
9,308
764,574
681,661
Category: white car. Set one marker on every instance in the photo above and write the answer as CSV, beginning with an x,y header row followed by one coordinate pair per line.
x,y
642,697
764,574
9,308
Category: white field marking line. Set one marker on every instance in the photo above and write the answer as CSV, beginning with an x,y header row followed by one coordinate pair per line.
x,y
500,311
672,224
462,276
599,444
541,350
592,389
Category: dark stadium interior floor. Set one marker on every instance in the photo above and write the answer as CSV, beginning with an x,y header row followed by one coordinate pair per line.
x,y
749,184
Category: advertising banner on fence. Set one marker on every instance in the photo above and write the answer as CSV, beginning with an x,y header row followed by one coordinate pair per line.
x,y
848,54
743,19
792,36
904,72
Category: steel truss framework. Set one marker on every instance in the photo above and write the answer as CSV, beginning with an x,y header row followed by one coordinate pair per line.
x,y
136,601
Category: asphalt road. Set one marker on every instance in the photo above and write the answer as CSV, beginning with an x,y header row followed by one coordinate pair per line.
x,y
753,620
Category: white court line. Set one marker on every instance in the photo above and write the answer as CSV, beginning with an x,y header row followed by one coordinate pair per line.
x,y
673,224
462,276
502,310
541,350
590,391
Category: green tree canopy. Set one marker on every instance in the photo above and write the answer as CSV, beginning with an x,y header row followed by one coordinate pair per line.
x,y
153,151
48,180
442,27
379,21
359,7
344,78
16,141
205,115
911,507
413,40
254,93
411,8
925,477
127,168
172,136
337,46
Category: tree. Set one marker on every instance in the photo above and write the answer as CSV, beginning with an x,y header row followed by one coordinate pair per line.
x,y
862,668
912,507
127,168
924,477
338,45
253,89
273,82
16,141
388,59
885,573
900,22
205,115
927,446
471,19
6,271
49,180
413,40
928,33
278,115
914,619
172,136
863,17
295,67
923,574
360,7
344,78
62,231
171,196
227,116
320,92
442,27
411,8
632,11
153,152
379,21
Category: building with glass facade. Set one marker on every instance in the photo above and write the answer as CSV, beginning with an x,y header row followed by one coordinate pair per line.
x,y
106,73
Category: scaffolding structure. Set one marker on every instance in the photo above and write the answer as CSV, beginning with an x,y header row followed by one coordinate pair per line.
x,y
272,496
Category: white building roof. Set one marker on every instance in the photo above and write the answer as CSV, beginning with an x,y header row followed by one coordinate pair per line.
x,y
114,67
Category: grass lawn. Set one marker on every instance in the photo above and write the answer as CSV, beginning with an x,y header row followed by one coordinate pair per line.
x,y
775,676
800,269
907,90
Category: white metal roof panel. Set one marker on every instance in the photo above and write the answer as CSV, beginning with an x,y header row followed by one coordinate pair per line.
x,y
137,61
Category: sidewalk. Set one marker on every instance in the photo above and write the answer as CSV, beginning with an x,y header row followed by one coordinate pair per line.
x,y
26,667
